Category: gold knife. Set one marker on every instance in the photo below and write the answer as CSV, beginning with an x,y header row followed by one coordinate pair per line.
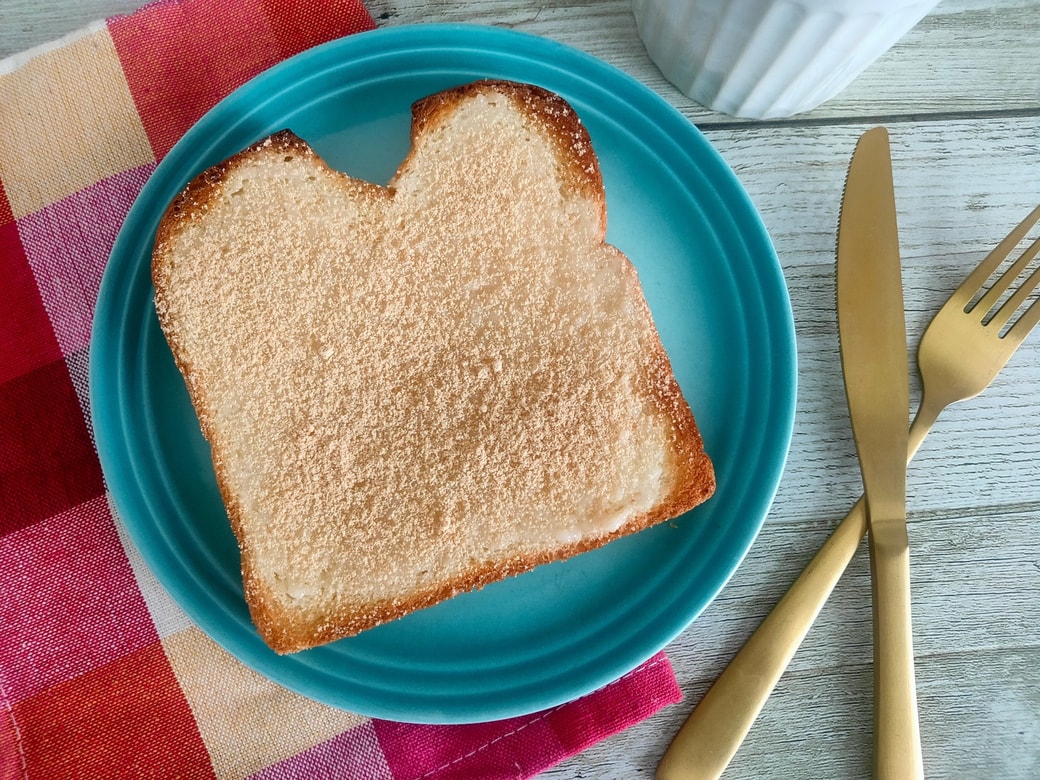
x,y
872,329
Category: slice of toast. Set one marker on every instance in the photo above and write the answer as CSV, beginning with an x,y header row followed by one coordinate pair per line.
x,y
415,390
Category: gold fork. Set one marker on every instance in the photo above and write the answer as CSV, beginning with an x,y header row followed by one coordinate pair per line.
x,y
965,346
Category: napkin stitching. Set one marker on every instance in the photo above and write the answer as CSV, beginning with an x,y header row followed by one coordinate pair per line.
x,y
17,730
520,728
486,745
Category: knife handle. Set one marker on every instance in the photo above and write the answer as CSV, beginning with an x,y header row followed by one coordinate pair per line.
x,y
709,739
711,735
897,737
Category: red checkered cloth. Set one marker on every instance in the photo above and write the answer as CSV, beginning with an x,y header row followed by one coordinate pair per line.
x,y
101,674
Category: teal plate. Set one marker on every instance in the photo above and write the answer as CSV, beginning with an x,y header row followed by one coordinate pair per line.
x,y
715,289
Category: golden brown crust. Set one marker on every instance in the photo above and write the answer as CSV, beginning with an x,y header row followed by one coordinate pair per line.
x,y
192,203
194,200
546,110
287,630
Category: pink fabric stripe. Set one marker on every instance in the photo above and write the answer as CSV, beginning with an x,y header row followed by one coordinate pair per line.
x,y
354,753
67,245
74,626
48,464
522,747
124,720
27,339
182,56
69,603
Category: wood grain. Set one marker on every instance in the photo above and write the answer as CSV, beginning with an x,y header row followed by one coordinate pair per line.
x,y
960,95
25,24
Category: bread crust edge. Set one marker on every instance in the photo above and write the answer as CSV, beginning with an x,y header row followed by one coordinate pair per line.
x,y
286,630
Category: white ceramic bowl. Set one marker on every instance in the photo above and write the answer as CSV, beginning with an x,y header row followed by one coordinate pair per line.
x,y
770,58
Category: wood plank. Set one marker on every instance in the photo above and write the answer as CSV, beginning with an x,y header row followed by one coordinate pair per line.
x,y
28,23
818,725
975,579
966,606
925,72
985,448
959,185
961,96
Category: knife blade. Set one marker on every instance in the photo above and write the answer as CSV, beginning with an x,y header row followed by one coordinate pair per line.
x,y
872,331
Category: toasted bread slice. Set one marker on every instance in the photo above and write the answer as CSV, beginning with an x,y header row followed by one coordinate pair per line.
x,y
415,390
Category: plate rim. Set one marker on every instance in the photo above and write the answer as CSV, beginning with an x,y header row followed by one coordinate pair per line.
x,y
446,34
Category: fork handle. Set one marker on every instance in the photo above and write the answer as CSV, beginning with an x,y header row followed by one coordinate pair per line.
x,y
713,732
897,737
717,726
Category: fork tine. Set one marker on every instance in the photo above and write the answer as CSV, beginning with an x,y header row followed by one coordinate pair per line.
x,y
992,261
1024,325
1011,305
992,297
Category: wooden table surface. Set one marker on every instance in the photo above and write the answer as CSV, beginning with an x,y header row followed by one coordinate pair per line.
x,y
960,95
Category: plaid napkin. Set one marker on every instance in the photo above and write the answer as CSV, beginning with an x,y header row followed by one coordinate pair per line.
x,y
101,674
